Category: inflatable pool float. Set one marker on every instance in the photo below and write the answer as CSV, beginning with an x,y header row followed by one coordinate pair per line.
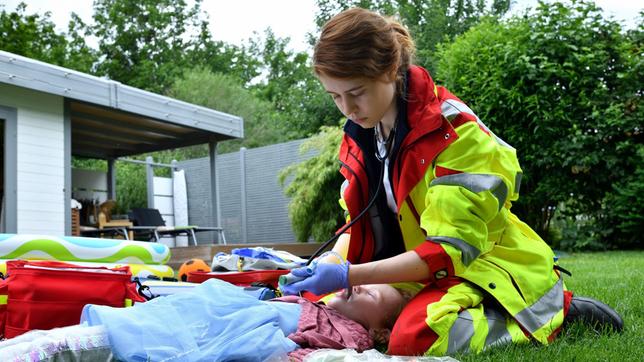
x,y
137,270
75,249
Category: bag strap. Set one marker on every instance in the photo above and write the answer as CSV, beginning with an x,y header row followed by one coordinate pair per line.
x,y
141,291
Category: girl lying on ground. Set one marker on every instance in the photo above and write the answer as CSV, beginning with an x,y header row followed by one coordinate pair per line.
x,y
217,321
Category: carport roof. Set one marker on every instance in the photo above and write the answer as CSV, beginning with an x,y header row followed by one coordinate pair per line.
x,y
111,120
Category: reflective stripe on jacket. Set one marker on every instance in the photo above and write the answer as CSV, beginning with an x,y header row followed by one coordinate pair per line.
x,y
454,181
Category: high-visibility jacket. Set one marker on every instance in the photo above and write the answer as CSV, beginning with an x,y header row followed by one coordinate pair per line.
x,y
453,182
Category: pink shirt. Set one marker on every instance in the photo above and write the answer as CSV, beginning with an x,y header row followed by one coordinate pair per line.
x,y
322,327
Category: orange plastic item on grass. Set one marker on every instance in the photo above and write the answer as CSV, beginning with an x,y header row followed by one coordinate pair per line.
x,y
192,265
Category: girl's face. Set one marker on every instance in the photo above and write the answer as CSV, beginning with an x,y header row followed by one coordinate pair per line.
x,y
370,305
364,101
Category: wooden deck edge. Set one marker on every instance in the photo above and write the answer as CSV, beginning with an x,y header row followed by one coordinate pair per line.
x,y
178,255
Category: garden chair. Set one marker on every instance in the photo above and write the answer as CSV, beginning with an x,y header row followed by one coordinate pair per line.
x,y
149,224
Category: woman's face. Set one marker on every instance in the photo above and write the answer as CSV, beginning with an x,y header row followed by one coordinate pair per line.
x,y
362,100
370,305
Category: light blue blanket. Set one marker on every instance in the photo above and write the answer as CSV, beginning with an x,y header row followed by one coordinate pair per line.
x,y
215,321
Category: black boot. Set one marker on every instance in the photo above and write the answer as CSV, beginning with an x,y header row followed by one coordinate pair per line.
x,y
594,313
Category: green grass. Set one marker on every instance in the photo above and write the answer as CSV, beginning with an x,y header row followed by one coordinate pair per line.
x,y
615,278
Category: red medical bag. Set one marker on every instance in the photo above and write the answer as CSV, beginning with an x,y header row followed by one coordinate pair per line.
x,y
51,294
243,279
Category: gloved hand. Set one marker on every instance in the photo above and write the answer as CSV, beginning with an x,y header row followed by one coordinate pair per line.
x,y
326,278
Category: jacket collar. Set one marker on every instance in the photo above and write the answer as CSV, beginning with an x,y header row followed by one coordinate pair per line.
x,y
423,106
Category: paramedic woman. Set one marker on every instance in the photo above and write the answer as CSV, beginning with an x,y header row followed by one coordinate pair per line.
x,y
443,185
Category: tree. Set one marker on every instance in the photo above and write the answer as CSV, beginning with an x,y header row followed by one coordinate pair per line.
x,y
622,215
226,93
561,86
219,57
148,44
289,84
143,43
313,210
34,36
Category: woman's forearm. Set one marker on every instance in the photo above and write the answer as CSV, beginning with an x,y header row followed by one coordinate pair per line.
x,y
406,267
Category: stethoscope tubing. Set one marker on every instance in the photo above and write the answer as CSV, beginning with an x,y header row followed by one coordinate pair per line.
x,y
381,159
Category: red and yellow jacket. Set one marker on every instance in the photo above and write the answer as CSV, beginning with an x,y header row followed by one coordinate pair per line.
x,y
454,182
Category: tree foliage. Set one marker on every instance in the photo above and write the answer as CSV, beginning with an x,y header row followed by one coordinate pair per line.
x,y
158,40
225,93
143,42
289,84
34,36
314,211
559,85
622,216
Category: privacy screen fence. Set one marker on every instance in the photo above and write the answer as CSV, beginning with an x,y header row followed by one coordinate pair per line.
x,y
252,205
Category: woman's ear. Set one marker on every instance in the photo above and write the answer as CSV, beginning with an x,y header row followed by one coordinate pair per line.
x,y
380,335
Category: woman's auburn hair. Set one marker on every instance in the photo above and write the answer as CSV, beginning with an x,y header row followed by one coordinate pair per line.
x,y
361,43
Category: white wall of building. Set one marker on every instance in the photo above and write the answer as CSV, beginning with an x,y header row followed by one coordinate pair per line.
x,y
41,155
89,185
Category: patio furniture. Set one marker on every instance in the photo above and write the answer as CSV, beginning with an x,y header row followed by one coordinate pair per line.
x,y
112,231
149,224
105,225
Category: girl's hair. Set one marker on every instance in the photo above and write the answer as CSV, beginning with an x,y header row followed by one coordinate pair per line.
x,y
362,43
381,335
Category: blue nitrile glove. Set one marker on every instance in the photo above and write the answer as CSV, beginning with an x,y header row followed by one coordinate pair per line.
x,y
326,278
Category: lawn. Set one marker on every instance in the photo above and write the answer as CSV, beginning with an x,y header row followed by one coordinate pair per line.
x,y
617,279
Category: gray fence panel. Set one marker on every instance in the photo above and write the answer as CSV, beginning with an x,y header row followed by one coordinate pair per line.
x,y
197,186
230,193
267,206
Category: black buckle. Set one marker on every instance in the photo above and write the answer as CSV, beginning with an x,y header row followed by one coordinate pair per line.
x,y
143,289
557,267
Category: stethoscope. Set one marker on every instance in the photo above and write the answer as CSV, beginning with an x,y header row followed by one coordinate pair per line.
x,y
381,158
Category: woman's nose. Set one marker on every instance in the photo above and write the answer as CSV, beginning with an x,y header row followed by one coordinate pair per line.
x,y
348,106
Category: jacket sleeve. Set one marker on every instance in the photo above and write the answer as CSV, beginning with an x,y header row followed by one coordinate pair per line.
x,y
470,186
